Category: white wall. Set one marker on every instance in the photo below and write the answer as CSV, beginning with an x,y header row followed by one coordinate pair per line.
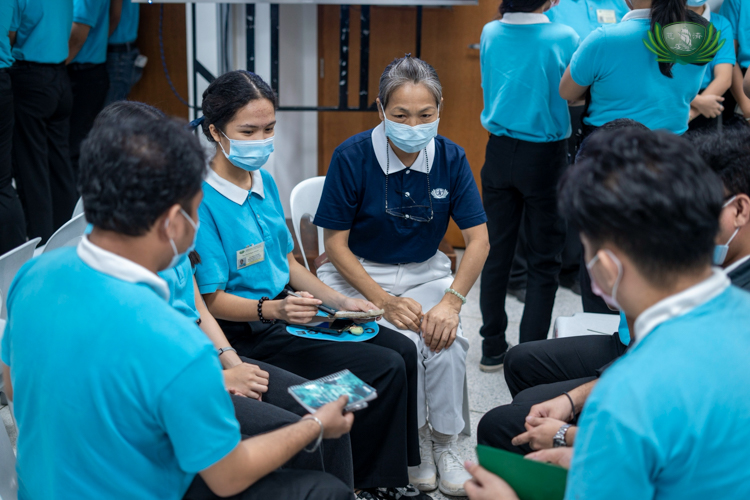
x,y
296,144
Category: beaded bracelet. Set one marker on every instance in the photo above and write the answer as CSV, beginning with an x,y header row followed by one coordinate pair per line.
x,y
451,290
572,407
260,311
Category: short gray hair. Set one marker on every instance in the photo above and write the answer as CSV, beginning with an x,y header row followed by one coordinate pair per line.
x,y
409,69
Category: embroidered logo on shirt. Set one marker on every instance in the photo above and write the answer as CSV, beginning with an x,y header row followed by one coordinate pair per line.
x,y
684,43
439,193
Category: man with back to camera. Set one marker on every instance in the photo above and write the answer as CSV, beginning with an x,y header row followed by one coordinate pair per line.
x,y
116,393
665,420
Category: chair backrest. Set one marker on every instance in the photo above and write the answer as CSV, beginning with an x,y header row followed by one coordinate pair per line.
x,y
8,479
583,323
304,201
68,235
10,263
78,210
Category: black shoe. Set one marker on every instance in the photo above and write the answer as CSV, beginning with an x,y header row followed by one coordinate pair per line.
x,y
491,364
518,293
409,492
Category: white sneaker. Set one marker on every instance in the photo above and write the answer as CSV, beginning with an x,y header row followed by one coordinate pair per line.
x,y
424,476
452,474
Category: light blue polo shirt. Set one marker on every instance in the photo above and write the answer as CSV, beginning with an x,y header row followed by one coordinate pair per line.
x,y
737,13
93,13
127,30
7,10
626,82
669,419
42,30
585,16
181,293
116,393
233,219
522,65
726,53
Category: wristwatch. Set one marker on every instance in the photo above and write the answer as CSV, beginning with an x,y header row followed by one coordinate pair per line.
x,y
225,349
559,440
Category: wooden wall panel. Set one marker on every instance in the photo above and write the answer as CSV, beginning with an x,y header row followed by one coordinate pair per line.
x,y
446,36
153,88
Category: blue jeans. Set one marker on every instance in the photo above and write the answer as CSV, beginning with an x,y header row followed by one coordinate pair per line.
x,y
123,74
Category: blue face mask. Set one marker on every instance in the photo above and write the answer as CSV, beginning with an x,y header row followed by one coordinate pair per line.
x,y
720,251
248,155
410,139
696,3
177,257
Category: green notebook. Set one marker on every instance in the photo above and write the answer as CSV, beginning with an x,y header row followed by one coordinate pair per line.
x,y
529,479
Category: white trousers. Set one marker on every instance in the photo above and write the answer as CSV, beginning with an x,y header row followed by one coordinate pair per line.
x,y
440,375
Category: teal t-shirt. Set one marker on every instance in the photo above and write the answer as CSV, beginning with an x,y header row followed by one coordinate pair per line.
x,y
7,9
726,53
522,65
228,227
42,30
585,16
669,419
93,13
626,82
181,292
127,30
116,393
737,13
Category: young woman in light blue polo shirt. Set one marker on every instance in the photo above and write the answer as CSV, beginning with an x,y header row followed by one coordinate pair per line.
x,y
737,12
522,56
623,76
246,263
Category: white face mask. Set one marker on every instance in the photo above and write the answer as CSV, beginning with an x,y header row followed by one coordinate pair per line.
x,y
177,257
720,251
410,139
610,300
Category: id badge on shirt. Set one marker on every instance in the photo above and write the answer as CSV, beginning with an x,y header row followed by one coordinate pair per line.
x,y
606,16
251,255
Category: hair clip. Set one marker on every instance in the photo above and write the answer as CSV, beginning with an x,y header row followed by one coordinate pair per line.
x,y
197,122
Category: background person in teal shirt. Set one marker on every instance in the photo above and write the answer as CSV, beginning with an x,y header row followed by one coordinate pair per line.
x,y
666,421
737,13
12,222
624,77
87,68
42,104
123,64
585,16
522,56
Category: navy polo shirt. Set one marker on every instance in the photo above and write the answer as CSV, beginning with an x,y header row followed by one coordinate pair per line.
x,y
354,199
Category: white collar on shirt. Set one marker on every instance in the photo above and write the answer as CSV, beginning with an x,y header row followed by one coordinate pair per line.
x,y
679,304
232,191
380,146
637,14
737,264
707,12
118,267
524,18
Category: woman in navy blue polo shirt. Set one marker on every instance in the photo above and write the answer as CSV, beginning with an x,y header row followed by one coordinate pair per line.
x,y
246,257
386,204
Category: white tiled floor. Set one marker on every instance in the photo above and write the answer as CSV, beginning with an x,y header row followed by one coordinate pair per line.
x,y
486,390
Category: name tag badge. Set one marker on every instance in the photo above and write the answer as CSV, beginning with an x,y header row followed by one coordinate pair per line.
x,y
251,255
606,16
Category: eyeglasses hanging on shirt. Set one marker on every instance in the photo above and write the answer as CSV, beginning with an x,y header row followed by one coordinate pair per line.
x,y
399,212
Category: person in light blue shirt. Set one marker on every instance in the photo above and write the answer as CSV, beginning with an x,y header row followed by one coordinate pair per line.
x,y
737,13
42,103
708,105
124,65
12,222
150,423
87,68
624,77
522,57
585,16
666,420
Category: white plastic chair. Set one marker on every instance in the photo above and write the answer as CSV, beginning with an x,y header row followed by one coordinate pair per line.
x,y
78,210
68,235
585,324
304,201
8,479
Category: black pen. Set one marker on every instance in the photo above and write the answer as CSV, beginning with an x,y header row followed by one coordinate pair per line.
x,y
321,307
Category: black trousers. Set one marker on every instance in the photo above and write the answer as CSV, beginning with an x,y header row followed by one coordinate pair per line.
x,y
384,437
12,221
90,84
42,103
519,187
539,371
